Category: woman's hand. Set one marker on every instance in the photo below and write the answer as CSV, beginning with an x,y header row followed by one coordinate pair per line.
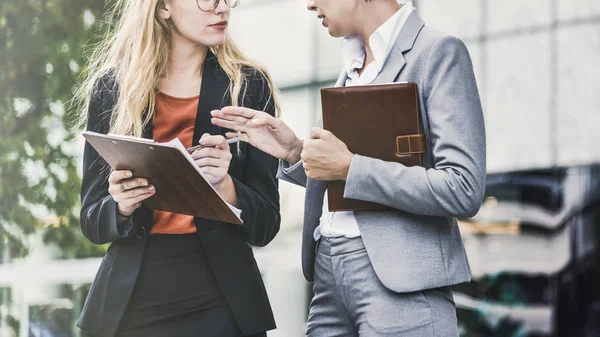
x,y
213,158
261,130
128,192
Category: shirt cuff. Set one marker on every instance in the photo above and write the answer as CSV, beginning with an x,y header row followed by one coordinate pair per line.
x,y
126,227
235,210
286,168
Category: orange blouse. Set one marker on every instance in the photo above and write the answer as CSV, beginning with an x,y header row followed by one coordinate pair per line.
x,y
175,117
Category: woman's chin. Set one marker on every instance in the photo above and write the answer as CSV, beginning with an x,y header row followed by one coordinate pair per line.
x,y
215,39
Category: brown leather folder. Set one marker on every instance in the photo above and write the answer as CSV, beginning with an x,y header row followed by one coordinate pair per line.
x,y
180,185
378,121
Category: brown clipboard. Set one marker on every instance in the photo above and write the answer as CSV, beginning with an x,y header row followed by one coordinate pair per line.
x,y
180,185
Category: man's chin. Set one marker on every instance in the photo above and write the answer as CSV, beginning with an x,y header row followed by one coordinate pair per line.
x,y
334,33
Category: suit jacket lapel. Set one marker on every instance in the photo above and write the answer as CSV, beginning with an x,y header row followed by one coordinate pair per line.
x,y
213,95
405,41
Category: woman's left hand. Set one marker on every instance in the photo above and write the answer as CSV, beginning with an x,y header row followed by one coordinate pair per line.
x,y
213,158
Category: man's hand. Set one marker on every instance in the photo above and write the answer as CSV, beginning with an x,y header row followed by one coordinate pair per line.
x,y
261,130
325,157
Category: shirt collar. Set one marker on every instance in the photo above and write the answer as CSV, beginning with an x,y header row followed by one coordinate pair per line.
x,y
381,41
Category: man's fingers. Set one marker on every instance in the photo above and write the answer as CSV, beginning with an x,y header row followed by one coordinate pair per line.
x,y
264,119
243,136
240,111
309,144
232,118
241,115
242,123
229,124
304,157
117,176
318,133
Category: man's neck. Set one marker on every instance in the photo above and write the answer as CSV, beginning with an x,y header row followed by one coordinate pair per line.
x,y
374,14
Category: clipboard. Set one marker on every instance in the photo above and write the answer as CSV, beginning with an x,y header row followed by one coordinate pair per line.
x,y
181,187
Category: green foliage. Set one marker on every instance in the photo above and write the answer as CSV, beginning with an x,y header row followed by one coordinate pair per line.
x,y
42,44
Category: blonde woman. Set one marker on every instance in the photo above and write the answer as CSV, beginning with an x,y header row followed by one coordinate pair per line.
x,y
164,66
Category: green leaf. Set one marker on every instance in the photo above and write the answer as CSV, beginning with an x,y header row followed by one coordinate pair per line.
x,y
32,35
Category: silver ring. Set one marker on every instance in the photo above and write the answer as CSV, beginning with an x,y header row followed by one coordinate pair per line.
x,y
122,188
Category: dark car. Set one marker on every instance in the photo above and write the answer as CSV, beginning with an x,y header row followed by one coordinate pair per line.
x,y
534,250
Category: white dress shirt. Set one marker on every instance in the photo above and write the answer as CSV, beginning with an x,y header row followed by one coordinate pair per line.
x,y
335,224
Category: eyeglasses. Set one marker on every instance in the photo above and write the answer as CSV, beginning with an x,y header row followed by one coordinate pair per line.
x,y
211,5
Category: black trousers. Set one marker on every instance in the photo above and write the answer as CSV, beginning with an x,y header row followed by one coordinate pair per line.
x,y
176,294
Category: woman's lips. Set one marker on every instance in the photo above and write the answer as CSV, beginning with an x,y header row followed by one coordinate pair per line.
x,y
220,25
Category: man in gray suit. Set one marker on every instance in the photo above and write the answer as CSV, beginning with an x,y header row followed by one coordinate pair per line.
x,y
385,273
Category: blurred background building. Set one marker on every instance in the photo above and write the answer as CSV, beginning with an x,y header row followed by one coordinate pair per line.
x,y
533,247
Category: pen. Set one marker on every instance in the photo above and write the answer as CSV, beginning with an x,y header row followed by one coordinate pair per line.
x,y
197,147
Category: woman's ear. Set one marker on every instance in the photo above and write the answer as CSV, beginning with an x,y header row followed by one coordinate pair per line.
x,y
164,8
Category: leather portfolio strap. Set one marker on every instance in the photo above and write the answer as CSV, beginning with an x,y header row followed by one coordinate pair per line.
x,y
410,144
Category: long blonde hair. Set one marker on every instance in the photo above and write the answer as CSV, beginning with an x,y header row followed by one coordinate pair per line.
x,y
135,51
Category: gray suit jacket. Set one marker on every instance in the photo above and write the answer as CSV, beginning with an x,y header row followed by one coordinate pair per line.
x,y
417,245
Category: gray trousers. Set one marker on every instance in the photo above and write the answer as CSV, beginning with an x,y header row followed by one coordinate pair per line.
x,y
349,300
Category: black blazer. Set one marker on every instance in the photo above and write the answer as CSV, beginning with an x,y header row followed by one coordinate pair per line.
x,y
228,253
